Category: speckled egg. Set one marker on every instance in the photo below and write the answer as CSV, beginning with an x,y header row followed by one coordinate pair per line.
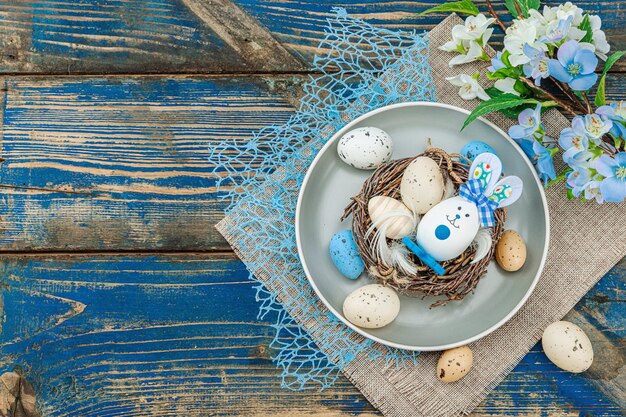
x,y
472,149
511,251
422,185
371,306
365,147
567,346
391,214
454,364
345,254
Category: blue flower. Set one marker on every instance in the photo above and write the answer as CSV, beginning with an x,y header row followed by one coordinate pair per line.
x,y
616,112
574,66
544,162
496,63
574,139
613,186
578,179
556,30
529,122
538,67
596,126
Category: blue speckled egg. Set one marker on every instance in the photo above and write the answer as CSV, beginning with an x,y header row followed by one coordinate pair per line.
x,y
345,254
475,148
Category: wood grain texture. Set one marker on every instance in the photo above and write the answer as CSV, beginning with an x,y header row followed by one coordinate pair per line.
x,y
299,24
178,335
135,36
109,36
122,163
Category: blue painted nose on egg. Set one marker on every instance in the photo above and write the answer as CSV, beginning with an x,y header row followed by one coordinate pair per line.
x,y
442,232
458,216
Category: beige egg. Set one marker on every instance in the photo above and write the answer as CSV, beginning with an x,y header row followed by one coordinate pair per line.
x,y
392,214
371,306
511,251
567,346
454,364
422,185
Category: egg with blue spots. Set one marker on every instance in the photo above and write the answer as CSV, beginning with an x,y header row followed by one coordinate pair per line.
x,y
345,255
472,149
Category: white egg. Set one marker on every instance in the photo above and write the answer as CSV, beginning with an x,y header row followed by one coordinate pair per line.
x,y
391,214
567,346
371,306
422,185
448,228
365,147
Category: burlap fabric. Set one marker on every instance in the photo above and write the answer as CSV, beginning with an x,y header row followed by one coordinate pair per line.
x,y
586,240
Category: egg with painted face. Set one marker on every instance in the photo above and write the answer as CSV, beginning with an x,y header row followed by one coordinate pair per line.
x,y
448,228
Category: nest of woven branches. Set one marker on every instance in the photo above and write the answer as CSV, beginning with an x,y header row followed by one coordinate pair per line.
x,y
461,277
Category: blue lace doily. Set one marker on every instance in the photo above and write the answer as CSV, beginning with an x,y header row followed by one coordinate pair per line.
x,y
349,80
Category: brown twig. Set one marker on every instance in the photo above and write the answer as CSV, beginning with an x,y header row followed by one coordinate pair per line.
x,y
493,13
564,105
520,15
587,103
569,94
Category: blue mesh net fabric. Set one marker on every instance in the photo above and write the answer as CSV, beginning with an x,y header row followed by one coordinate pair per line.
x,y
261,178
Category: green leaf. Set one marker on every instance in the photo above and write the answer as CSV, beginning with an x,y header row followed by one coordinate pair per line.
x,y
570,194
524,6
562,175
610,61
463,6
501,102
503,73
586,26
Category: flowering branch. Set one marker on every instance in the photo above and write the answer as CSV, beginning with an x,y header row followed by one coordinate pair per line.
x,y
493,14
562,44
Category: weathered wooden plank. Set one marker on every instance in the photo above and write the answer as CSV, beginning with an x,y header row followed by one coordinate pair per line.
x,y
299,24
122,163
112,36
179,334
89,36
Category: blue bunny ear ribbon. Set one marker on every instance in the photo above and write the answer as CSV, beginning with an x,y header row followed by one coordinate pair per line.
x,y
472,191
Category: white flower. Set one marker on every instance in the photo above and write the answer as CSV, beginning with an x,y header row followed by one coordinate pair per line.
x,y
470,88
455,45
520,33
506,85
474,53
602,47
562,11
575,34
473,29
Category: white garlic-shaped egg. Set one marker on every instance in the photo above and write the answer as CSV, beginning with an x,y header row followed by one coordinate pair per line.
x,y
448,228
391,215
422,185
365,147
567,346
371,306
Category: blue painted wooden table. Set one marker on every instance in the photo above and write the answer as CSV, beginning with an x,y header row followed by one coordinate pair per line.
x,y
119,298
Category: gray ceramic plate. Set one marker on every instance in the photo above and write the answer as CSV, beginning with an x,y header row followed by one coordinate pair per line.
x,y
330,183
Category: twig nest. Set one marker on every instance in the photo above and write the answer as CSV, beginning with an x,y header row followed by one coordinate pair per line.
x,y
371,306
454,364
567,346
390,215
412,277
511,251
422,185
